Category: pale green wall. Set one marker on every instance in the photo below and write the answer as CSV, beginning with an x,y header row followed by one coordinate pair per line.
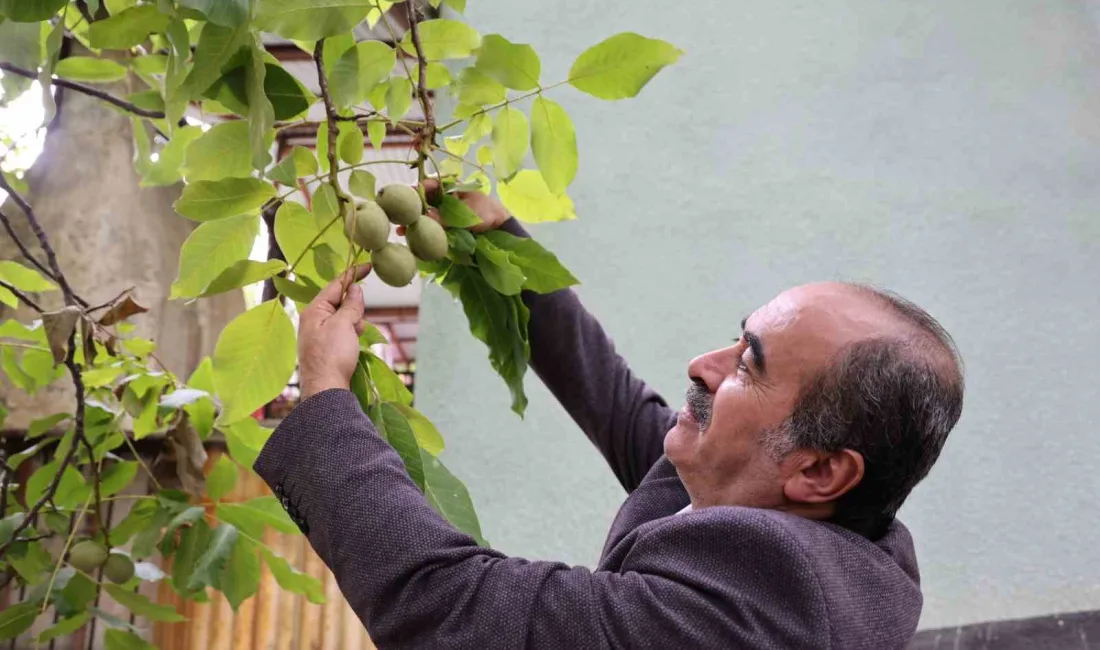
x,y
948,150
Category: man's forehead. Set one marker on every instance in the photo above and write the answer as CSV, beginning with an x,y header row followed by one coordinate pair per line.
x,y
825,315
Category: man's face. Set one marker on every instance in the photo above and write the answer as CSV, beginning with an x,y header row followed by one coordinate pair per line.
x,y
741,393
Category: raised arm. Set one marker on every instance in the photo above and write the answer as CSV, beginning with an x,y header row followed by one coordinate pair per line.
x,y
570,352
416,582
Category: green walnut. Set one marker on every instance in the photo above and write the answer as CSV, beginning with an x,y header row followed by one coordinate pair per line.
x,y
87,556
427,239
401,203
394,264
367,225
119,568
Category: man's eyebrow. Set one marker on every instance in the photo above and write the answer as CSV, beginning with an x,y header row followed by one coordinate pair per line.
x,y
755,345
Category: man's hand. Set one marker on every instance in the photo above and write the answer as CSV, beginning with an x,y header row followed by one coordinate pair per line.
x,y
492,213
328,335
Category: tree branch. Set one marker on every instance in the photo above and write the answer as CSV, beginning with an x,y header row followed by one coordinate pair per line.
x,y
51,490
87,90
51,257
23,247
22,296
427,136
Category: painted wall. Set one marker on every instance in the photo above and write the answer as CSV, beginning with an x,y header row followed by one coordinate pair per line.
x,y
948,150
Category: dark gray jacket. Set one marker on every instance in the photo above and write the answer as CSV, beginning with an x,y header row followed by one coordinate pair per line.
x,y
723,577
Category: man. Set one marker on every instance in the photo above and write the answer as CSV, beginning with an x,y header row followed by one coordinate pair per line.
x,y
760,516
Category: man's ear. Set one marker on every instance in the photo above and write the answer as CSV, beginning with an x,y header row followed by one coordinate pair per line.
x,y
821,477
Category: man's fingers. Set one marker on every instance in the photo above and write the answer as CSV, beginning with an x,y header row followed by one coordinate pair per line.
x,y
432,189
329,298
360,327
351,310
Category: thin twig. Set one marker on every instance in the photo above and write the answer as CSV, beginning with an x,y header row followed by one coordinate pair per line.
x,y
36,228
87,90
23,247
48,496
506,102
427,137
22,296
333,132
95,471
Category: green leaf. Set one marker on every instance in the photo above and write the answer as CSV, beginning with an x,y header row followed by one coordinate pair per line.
x,y
17,619
212,248
142,606
245,440
395,428
517,66
193,542
20,44
210,200
349,144
43,425
15,460
168,168
213,559
456,214
222,478
295,228
497,268
300,162
294,291
64,627
361,184
71,491
511,138
554,143
215,48
85,68
240,579
176,93
497,321
128,28
529,199
377,133
253,515
619,67
444,39
476,88
23,278
150,64
221,152
31,561
427,436
261,114
457,5
253,360
545,274
30,11
398,98
438,76
310,20
386,382
117,477
293,580
125,640
450,498
145,515
75,592
228,13
359,70
242,274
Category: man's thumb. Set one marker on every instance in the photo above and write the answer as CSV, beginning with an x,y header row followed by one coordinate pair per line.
x,y
352,307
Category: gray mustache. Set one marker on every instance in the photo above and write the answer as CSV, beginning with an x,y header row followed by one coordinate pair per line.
x,y
700,403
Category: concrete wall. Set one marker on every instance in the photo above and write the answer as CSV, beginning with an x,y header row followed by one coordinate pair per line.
x,y
948,150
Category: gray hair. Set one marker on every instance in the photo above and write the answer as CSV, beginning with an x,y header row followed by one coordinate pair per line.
x,y
894,400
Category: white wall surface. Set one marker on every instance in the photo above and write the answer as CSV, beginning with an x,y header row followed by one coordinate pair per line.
x,y
948,150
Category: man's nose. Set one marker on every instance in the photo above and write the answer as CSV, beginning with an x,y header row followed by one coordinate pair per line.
x,y
711,368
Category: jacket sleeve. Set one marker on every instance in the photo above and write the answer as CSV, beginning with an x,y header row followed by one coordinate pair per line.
x,y
626,419
416,582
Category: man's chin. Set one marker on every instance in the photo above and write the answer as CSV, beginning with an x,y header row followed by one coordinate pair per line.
x,y
679,441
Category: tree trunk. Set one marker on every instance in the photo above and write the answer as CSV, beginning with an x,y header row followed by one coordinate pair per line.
x,y
110,235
